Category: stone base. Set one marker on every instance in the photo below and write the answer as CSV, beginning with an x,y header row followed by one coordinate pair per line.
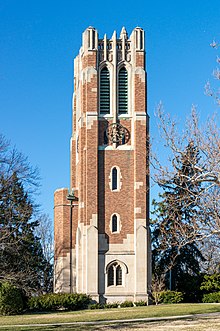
x,y
106,298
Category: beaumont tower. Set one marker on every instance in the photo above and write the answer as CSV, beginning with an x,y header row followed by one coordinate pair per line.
x,y
102,240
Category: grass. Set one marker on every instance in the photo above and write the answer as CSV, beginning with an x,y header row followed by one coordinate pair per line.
x,y
101,315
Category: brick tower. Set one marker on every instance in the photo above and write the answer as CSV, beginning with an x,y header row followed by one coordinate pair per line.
x,y
102,241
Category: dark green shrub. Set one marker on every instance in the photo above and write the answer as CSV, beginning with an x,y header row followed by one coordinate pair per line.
x,y
96,306
211,297
75,301
126,304
46,302
171,297
211,283
34,303
56,301
112,305
141,303
11,301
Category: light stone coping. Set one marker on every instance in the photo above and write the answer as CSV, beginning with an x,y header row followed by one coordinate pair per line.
x,y
120,253
141,72
140,117
120,147
140,222
137,185
87,74
80,122
137,210
90,118
127,245
81,205
61,189
94,220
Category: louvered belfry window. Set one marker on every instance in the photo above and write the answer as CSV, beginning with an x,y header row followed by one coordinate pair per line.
x,y
123,91
104,91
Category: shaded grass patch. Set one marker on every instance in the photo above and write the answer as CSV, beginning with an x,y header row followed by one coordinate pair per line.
x,y
103,315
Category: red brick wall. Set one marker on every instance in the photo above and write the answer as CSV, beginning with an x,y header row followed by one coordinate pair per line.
x,y
62,223
140,59
116,202
92,172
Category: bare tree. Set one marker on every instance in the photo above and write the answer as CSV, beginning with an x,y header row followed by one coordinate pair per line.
x,y
211,253
12,161
158,285
205,174
209,89
44,231
21,257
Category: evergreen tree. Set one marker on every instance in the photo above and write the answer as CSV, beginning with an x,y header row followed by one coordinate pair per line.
x,y
175,250
21,256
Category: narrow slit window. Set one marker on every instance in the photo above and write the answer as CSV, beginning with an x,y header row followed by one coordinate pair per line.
x,y
118,275
104,91
114,223
114,179
123,91
111,276
105,138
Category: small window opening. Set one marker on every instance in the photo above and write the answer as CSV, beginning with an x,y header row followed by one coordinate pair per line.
x,y
118,275
93,39
141,39
114,179
114,223
111,276
105,138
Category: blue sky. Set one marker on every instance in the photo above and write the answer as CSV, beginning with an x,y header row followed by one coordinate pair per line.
x,y
38,41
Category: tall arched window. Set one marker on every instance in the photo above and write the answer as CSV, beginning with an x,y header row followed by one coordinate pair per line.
x,y
104,91
111,276
123,91
114,223
114,179
118,275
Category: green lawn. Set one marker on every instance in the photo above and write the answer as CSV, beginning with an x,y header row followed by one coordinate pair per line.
x,y
102,315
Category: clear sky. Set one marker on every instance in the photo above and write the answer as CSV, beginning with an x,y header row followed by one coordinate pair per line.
x,y
40,38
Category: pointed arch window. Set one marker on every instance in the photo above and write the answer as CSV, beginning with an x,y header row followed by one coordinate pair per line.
x,y
114,179
116,273
111,276
104,92
123,91
114,223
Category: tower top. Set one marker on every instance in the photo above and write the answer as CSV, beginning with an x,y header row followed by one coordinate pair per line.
x,y
123,33
91,40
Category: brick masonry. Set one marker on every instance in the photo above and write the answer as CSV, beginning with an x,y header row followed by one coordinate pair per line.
x,y
94,245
